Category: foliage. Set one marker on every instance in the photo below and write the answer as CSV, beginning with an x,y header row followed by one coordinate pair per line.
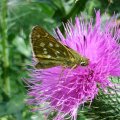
x,y
105,106
16,20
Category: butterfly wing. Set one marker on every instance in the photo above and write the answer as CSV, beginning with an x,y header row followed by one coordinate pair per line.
x,y
48,51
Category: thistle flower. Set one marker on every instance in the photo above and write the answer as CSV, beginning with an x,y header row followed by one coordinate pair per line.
x,y
67,92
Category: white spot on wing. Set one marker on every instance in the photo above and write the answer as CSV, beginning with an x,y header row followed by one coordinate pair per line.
x,y
48,56
44,49
38,36
57,57
50,44
64,53
45,52
58,52
56,45
42,44
46,34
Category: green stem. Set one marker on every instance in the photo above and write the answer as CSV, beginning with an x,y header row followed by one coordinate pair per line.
x,y
79,6
5,53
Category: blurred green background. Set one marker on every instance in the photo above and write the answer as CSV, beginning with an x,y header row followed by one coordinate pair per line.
x,y
17,17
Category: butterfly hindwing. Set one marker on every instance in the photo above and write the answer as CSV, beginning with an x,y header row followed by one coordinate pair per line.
x,y
48,51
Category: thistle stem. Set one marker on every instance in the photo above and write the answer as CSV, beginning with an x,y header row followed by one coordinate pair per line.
x,y
5,50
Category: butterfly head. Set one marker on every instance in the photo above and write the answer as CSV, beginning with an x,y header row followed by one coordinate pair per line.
x,y
84,61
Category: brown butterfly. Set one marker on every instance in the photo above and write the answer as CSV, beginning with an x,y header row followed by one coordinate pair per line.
x,y
50,52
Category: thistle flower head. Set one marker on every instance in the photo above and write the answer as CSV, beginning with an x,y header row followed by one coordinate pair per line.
x,y
65,90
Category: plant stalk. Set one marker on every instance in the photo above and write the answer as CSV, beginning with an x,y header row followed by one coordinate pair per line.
x,y
5,49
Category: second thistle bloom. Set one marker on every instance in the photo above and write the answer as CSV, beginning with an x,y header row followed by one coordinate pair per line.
x,y
65,90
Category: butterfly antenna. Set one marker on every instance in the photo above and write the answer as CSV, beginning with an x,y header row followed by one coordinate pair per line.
x,y
56,32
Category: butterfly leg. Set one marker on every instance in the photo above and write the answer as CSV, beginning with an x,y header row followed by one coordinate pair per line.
x,y
70,71
62,73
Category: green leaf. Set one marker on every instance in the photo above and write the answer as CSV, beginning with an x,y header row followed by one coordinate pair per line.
x,y
21,46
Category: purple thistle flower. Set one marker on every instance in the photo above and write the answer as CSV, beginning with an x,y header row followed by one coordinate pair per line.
x,y
67,92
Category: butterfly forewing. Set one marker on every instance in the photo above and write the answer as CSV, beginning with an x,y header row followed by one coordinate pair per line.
x,y
48,51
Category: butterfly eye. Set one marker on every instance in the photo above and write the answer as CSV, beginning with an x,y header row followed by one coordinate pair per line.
x,y
83,64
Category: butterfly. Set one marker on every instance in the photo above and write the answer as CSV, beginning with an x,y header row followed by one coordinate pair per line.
x,y
49,52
